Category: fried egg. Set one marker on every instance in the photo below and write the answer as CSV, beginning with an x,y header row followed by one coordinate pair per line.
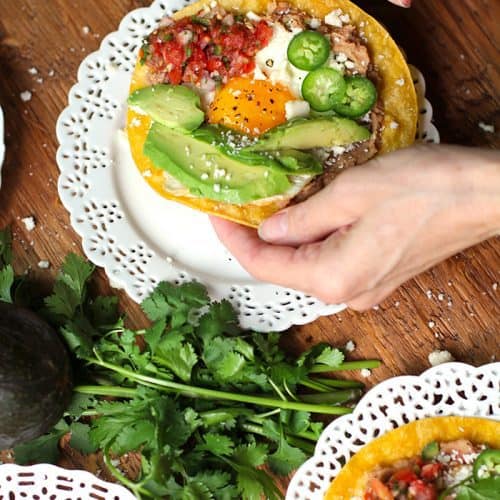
x,y
250,106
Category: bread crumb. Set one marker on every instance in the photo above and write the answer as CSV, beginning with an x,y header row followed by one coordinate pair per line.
x,y
439,357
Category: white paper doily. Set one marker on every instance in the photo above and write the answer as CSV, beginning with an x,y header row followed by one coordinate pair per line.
x,y
137,236
449,389
48,482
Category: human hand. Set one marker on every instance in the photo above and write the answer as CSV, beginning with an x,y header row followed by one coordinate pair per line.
x,y
376,225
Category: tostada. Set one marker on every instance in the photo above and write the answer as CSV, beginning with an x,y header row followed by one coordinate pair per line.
x,y
239,108
445,458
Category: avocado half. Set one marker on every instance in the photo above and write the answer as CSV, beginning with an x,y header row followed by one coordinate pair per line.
x,y
35,376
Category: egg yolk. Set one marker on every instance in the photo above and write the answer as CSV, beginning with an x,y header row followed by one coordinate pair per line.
x,y
250,106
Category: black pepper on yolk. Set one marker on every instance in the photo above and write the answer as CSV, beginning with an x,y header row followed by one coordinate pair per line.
x,y
250,106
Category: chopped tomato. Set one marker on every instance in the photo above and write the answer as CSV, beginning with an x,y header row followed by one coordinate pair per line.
x,y
379,490
192,48
406,476
430,472
422,491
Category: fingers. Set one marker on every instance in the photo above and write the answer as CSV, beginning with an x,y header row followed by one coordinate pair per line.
x,y
282,265
309,221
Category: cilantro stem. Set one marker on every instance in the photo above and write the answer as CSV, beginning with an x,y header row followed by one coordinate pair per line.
x,y
348,365
341,384
106,390
304,434
337,397
193,391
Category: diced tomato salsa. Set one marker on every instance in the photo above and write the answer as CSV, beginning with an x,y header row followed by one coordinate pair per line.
x,y
215,47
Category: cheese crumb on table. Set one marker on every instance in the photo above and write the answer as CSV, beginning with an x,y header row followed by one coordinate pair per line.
x,y
365,372
486,127
439,357
33,71
350,346
25,96
44,264
29,223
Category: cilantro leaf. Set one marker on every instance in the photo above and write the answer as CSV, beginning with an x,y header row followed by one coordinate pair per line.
x,y
299,421
251,455
286,458
79,403
80,438
103,312
44,449
180,360
217,444
78,336
156,307
484,489
253,484
6,282
63,302
196,490
75,273
330,357
154,333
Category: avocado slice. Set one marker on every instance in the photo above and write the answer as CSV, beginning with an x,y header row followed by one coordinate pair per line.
x,y
171,105
232,143
207,172
309,133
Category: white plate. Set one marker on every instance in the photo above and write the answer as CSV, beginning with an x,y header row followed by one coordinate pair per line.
x,y
449,389
2,145
49,481
136,235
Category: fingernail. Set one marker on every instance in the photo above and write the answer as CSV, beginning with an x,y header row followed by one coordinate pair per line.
x,y
275,227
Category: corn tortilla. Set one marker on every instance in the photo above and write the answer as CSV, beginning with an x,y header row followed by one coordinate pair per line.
x,y
407,442
395,88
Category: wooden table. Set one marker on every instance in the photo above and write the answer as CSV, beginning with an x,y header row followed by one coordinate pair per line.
x,y
455,306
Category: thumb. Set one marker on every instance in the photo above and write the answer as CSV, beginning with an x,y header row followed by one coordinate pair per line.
x,y
307,222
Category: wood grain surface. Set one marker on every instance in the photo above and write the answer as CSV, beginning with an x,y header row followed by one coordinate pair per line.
x,y
455,306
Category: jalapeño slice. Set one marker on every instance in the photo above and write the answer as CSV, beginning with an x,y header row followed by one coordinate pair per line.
x,y
487,464
308,50
323,88
359,98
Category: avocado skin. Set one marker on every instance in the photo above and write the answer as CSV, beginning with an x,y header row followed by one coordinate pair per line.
x,y
171,105
310,133
35,376
188,159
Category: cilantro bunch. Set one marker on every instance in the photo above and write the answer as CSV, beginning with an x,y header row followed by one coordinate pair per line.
x,y
212,409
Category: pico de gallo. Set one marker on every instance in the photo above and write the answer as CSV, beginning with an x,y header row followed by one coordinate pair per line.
x,y
444,471
211,47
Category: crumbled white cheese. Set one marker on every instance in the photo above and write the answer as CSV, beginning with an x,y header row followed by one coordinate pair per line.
x,y
394,125
51,72
44,264
204,176
350,346
335,18
314,23
147,173
29,223
294,109
486,127
429,294
349,65
494,286
400,82
33,71
25,96
365,372
439,357
86,30
252,16
217,188
431,324
135,122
